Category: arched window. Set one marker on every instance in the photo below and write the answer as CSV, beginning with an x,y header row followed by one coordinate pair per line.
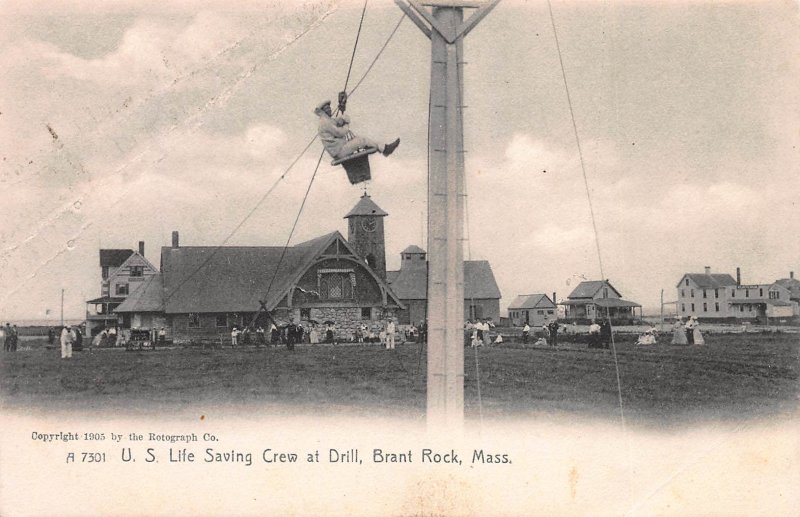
x,y
371,262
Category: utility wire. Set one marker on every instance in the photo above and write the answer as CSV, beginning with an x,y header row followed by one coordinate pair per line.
x,y
591,212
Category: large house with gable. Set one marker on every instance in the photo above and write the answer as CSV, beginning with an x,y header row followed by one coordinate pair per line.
x,y
122,271
594,299
719,297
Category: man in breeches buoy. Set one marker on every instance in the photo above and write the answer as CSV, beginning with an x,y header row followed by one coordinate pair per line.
x,y
335,134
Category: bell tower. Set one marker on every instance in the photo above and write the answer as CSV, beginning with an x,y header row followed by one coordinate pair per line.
x,y
365,233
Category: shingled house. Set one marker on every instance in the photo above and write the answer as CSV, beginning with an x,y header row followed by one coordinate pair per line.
x,y
203,291
410,283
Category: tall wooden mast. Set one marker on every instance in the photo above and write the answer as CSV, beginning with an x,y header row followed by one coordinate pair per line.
x,y
443,22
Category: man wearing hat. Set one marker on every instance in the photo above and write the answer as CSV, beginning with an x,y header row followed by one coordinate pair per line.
x,y
67,338
336,137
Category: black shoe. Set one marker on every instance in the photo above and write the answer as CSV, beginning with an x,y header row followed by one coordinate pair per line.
x,y
389,148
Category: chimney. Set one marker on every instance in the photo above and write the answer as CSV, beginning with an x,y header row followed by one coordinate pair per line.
x,y
791,275
554,297
141,248
738,276
175,242
708,270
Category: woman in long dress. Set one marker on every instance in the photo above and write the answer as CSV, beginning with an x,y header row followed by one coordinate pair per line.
x,y
679,333
698,337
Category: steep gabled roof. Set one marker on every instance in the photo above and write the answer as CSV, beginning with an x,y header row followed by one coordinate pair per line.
x,y
235,278
710,281
114,257
531,301
589,288
147,297
412,283
366,206
232,278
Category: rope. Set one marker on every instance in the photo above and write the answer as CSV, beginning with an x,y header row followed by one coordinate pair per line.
x,y
591,212
280,178
244,220
291,233
378,55
355,46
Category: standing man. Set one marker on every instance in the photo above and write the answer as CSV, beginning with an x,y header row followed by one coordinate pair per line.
x,y
390,330
689,329
234,336
14,338
605,333
67,338
553,328
162,336
51,335
291,334
526,331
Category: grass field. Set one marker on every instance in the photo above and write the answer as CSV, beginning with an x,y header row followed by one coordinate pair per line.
x,y
734,376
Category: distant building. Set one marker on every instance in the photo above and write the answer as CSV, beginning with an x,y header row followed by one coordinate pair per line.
x,y
533,309
598,299
121,272
714,296
410,283
793,285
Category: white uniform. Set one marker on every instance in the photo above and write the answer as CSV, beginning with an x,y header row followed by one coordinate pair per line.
x,y
67,338
390,335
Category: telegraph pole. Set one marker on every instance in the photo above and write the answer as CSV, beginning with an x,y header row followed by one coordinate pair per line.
x,y
445,26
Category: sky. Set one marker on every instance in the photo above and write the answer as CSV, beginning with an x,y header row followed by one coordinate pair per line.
x,y
122,121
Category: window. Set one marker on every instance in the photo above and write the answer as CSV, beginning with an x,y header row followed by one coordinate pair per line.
x,y
475,311
222,320
305,314
733,293
761,293
716,293
122,289
683,307
366,313
105,272
137,270
692,307
422,257
550,311
683,293
687,282
336,284
371,262
705,307
716,307
691,293
540,312
705,294
741,308
194,321
775,295
747,293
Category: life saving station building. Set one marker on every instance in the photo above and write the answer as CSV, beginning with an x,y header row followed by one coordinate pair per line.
x,y
201,292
